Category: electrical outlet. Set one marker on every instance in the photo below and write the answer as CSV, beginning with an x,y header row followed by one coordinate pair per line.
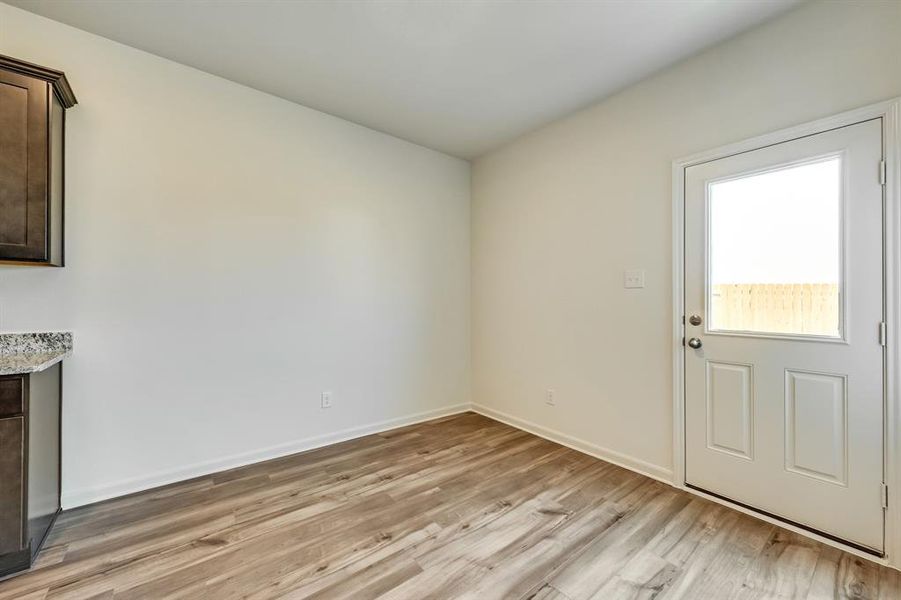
x,y
549,398
325,400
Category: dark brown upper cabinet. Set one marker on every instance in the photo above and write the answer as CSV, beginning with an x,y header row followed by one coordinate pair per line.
x,y
33,103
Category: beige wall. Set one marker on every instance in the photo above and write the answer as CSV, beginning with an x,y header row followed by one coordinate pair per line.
x,y
561,212
230,256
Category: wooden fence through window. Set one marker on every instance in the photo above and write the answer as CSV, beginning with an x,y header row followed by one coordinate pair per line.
x,y
803,308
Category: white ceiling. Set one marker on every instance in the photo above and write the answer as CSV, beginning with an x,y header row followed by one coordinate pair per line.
x,y
458,76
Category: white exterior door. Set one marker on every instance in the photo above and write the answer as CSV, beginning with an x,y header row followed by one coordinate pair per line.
x,y
784,351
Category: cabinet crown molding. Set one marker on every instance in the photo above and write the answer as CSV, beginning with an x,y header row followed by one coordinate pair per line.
x,y
55,78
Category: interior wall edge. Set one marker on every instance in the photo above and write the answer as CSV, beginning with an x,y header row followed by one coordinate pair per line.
x,y
90,495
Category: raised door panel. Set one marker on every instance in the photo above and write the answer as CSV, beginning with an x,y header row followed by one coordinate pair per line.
x,y
730,408
12,459
13,163
23,167
816,425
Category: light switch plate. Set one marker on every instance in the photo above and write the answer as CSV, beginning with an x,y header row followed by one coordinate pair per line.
x,y
633,278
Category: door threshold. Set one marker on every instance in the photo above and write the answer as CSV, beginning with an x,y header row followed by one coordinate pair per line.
x,y
859,547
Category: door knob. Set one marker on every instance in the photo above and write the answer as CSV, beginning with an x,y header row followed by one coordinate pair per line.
x,y
695,343
695,320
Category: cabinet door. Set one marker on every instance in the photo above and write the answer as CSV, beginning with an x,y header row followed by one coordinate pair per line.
x,y
24,217
12,490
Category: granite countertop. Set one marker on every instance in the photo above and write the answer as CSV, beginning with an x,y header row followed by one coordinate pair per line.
x,y
33,352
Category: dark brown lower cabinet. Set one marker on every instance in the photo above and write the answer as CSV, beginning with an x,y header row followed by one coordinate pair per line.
x,y
29,464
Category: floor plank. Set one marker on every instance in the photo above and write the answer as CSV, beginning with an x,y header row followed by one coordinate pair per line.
x,y
460,507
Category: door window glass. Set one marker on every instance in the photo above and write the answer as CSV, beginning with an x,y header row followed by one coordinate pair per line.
x,y
774,248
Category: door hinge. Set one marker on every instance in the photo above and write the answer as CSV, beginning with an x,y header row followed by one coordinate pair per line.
x,y
884,493
881,172
882,334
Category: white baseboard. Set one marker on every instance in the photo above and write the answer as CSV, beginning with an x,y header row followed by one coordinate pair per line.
x,y
612,456
89,495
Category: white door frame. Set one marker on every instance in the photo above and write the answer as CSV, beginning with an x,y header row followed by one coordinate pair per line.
x,y
890,112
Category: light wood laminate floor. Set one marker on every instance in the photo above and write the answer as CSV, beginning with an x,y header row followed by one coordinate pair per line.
x,y
461,507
